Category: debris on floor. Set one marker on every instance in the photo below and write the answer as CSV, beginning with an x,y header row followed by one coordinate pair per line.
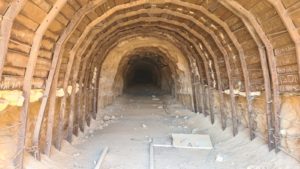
x,y
196,141
106,118
128,141
144,126
219,158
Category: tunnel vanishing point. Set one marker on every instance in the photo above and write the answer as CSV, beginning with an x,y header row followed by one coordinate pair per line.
x,y
61,61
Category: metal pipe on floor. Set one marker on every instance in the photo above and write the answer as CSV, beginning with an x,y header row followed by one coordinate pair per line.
x,y
101,158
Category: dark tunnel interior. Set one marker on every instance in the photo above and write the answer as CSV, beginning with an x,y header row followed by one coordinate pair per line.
x,y
146,74
143,72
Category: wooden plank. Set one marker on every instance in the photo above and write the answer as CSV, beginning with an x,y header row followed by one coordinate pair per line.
x,y
83,73
63,39
85,103
296,39
92,91
242,61
29,74
208,92
290,27
56,64
193,61
219,80
81,117
96,91
78,113
60,129
250,113
195,103
72,100
57,56
86,108
89,74
51,111
249,21
73,52
64,98
7,21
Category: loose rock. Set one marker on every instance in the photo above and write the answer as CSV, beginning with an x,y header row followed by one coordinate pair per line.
x,y
219,158
106,118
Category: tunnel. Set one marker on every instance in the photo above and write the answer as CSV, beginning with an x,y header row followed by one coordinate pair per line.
x,y
114,84
142,71
147,68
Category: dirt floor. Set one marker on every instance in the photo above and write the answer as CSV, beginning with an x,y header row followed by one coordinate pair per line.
x,y
128,126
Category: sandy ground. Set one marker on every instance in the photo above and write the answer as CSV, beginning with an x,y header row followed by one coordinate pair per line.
x,y
127,126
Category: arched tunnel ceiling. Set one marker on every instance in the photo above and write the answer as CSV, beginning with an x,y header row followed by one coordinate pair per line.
x,y
239,46
113,63
176,8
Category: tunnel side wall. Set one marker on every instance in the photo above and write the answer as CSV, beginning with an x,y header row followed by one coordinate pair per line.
x,y
9,120
289,111
289,117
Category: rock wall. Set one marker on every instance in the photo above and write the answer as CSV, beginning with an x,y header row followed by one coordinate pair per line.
x,y
290,124
9,125
289,118
9,120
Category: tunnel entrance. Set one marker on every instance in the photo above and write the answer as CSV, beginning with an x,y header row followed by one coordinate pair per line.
x,y
146,73
143,71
